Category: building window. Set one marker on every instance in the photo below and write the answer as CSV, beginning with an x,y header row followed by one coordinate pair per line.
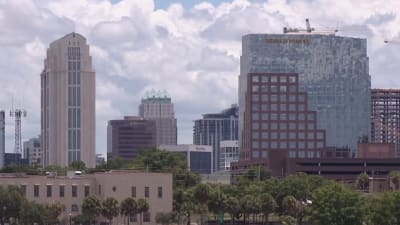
x,y
264,98
255,98
255,79
146,217
292,79
48,190
310,154
160,192
146,192
133,218
283,79
264,154
274,98
255,126
87,190
36,190
133,192
292,154
264,107
274,79
255,144
301,154
255,154
256,116
62,191
74,191
23,189
264,79
74,208
255,88
274,126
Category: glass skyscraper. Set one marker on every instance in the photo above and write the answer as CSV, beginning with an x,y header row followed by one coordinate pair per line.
x,y
332,70
214,128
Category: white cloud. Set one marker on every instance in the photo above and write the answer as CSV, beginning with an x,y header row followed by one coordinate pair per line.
x,y
192,53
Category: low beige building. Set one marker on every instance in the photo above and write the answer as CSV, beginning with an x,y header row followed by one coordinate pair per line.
x,y
70,190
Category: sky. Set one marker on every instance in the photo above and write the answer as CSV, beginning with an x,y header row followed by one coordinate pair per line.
x,y
189,48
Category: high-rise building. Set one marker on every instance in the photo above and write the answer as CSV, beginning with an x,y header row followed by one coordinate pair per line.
x,y
68,103
214,128
385,117
158,106
277,120
2,137
332,70
32,151
229,153
125,138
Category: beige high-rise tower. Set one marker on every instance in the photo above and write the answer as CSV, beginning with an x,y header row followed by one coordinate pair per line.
x,y
68,103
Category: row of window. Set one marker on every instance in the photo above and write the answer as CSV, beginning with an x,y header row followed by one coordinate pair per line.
x,y
279,107
283,116
292,154
51,190
287,144
274,88
273,79
147,192
288,135
282,126
278,97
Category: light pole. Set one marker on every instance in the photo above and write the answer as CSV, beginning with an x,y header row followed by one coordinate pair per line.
x,y
70,218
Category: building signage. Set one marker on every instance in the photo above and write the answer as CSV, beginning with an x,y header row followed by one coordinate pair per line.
x,y
288,41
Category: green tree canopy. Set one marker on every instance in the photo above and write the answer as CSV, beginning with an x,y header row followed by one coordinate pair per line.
x,y
335,204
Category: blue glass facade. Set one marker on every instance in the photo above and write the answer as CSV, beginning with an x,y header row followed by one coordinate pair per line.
x,y
332,70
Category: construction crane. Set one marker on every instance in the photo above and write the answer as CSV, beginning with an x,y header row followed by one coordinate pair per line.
x,y
308,30
18,114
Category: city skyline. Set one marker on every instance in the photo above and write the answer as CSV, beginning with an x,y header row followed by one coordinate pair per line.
x,y
194,48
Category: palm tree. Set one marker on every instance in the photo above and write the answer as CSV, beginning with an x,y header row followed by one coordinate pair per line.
x,y
91,207
110,209
202,194
129,208
268,206
142,207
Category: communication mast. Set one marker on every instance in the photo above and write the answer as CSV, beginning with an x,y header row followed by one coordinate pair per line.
x,y
18,114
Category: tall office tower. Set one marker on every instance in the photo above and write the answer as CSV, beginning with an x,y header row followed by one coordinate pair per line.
x,y
158,106
332,70
126,137
385,117
214,128
32,151
2,137
278,123
68,103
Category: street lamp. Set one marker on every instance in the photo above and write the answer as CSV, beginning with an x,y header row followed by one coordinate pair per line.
x,y
70,218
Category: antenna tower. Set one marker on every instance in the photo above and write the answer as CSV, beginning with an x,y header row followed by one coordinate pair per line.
x,y
18,114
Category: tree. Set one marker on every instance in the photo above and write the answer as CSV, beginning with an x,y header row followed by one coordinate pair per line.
x,y
385,209
268,206
362,181
246,206
91,208
53,211
216,202
334,204
232,206
32,213
129,208
109,208
11,200
295,208
202,195
394,177
142,207
78,165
